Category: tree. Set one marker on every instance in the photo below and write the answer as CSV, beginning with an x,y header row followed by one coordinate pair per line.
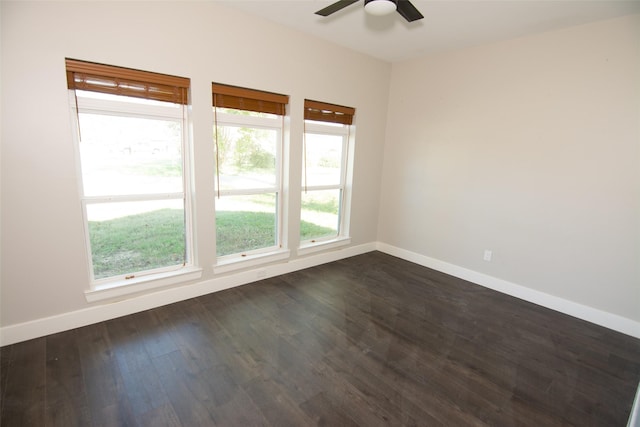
x,y
249,154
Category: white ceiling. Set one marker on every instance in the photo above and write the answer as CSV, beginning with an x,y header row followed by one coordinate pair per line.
x,y
448,24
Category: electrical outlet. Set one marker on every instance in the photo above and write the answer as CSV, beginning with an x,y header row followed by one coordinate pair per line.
x,y
487,255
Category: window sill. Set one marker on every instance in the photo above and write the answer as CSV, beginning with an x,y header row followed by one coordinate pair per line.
x,y
144,283
236,263
309,248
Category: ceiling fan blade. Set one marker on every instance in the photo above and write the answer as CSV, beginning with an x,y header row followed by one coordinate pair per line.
x,y
408,11
335,7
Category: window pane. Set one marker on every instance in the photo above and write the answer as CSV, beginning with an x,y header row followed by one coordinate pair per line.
x,y
245,113
323,159
135,236
245,223
320,214
130,155
127,99
246,157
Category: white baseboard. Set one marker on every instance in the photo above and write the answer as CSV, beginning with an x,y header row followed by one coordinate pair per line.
x,y
110,310
634,417
590,314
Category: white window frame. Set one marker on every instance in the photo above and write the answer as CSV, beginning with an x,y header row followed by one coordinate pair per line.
x,y
137,281
230,262
342,237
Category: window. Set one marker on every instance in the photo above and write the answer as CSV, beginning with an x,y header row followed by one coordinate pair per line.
x,y
131,146
324,194
248,136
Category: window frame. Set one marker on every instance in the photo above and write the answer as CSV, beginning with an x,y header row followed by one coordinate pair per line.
x,y
134,281
333,129
275,252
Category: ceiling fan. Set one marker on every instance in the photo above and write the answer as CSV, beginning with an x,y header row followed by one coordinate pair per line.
x,y
377,7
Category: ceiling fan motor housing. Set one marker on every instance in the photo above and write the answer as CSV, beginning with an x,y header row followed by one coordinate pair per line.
x,y
380,7
390,1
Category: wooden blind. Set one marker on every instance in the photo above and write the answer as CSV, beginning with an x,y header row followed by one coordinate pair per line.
x,y
324,112
102,78
240,98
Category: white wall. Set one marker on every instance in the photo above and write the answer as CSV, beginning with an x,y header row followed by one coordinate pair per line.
x,y
44,261
529,148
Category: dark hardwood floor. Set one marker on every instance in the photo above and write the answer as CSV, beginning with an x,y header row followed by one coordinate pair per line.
x,y
370,340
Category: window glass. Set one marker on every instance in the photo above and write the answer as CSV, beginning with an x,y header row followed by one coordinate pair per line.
x,y
246,157
323,159
323,181
245,223
319,216
130,237
131,153
248,182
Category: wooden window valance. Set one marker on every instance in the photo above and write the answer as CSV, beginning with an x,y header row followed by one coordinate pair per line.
x,y
113,80
325,112
225,96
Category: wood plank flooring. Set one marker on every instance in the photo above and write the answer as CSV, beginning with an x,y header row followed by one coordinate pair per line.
x,y
367,341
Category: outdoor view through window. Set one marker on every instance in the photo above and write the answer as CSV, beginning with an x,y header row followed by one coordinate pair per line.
x,y
323,178
248,173
249,156
132,181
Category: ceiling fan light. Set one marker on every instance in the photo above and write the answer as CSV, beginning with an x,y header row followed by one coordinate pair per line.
x,y
380,7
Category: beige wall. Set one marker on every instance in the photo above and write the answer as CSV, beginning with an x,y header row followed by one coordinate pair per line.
x,y
529,148
44,261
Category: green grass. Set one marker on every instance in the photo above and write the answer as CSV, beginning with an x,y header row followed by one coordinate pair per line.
x,y
239,231
137,242
328,206
156,239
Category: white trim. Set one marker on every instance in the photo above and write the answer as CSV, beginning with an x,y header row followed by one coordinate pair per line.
x,y
119,288
239,120
318,127
590,314
634,417
249,191
136,107
115,198
40,327
307,247
235,262
323,187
